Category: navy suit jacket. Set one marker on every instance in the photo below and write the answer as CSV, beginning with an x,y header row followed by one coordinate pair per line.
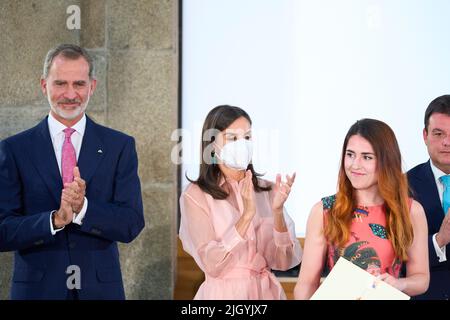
x,y
424,190
30,188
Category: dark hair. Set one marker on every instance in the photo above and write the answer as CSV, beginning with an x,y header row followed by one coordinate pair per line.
x,y
439,105
218,119
392,183
69,51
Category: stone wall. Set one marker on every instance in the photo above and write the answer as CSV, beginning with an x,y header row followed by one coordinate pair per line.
x,y
135,46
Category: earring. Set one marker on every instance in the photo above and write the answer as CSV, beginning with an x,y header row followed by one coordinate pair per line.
x,y
213,158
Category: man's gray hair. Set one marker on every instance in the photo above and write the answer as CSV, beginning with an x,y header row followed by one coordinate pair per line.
x,y
69,51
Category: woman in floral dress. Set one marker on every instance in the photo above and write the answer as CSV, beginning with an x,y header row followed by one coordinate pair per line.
x,y
370,221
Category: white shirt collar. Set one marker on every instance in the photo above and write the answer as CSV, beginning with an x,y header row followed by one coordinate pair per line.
x,y
55,127
436,172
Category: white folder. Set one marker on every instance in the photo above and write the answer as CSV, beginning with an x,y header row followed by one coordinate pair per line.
x,y
347,281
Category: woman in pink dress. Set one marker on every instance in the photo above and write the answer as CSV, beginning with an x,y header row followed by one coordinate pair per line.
x,y
233,223
371,221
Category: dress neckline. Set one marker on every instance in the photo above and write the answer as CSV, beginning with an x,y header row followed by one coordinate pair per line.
x,y
361,206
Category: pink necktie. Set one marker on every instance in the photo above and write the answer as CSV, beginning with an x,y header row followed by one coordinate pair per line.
x,y
68,157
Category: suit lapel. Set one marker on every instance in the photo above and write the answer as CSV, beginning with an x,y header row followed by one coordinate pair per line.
x,y
432,204
44,159
92,151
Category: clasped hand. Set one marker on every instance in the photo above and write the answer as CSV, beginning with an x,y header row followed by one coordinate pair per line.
x,y
72,200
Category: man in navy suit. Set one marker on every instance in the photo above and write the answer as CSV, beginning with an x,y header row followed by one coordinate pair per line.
x,y
65,234
428,184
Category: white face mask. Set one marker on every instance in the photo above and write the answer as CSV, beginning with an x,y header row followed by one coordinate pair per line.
x,y
236,154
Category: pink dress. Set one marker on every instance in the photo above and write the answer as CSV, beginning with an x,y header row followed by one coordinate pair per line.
x,y
236,267
368,246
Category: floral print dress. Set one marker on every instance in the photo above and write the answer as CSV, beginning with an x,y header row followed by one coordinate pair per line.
x,y
368,247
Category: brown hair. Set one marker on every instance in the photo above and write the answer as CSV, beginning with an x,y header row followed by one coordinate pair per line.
x,y
218,119
392,184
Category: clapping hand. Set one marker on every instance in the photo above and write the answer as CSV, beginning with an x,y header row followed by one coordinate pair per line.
x,y
281,192
64,215
248,195
75,191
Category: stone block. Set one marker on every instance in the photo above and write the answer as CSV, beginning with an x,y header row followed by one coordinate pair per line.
x,y
141,24
17,119
93,29
28,30
6,261
142,102
97,102
147,264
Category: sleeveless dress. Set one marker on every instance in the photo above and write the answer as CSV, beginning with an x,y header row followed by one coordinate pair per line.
x,y
368,246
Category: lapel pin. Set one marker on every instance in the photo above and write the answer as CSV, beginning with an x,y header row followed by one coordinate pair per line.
x,y
99,151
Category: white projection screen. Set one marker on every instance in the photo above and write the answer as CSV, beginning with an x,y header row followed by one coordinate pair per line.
x,y
305,71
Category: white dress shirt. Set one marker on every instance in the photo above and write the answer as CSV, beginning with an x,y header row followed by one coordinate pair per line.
x,y
57,135
440,252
